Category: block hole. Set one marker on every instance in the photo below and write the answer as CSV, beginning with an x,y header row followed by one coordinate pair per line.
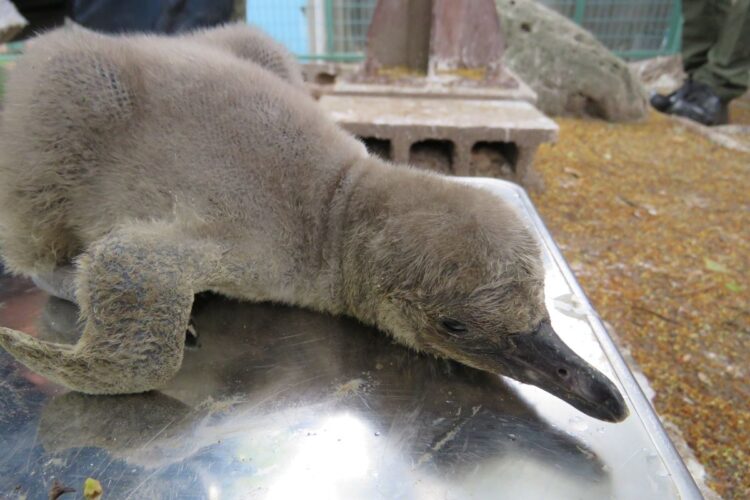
x,y
378,147
592,107
494,159
325,78
433,154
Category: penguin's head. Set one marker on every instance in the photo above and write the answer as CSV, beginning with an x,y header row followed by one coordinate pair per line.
x,y
465,281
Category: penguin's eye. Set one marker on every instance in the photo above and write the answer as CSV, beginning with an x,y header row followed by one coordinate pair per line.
x,y
452,325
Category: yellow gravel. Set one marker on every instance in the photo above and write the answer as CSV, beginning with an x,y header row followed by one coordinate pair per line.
x,y
655,221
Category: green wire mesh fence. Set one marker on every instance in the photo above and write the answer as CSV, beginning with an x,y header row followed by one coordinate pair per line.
x,y
336,30
632,29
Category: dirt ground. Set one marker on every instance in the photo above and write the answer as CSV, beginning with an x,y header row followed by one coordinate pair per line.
x,y
655,221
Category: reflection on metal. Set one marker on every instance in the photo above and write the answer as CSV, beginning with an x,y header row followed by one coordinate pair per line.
x,y
276,402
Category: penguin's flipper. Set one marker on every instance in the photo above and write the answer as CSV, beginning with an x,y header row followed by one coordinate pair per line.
x,y
135,288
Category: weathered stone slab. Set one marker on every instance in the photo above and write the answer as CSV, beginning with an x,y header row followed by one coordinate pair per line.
x,y
505,86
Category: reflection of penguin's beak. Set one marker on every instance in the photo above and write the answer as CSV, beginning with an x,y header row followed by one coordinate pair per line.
x,y
541,358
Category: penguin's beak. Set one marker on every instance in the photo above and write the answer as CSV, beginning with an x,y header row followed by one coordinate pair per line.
x,y
542,359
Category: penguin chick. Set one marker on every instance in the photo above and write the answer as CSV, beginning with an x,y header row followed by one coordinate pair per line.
x,y
164,167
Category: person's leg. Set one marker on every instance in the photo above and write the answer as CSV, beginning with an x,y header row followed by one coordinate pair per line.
x,y
716,57
728,67
700,30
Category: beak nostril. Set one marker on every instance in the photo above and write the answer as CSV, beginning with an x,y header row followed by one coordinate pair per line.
x,y
562,372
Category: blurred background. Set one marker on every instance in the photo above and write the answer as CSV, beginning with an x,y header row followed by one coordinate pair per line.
x,y
336,30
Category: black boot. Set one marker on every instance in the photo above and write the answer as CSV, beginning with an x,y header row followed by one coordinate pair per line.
x,y
696,101
701,104
662,103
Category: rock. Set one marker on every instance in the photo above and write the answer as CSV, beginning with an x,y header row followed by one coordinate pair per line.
x,y
11,22
660,74
572,72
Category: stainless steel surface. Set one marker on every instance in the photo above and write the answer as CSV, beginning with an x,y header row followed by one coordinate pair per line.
x,y
277,402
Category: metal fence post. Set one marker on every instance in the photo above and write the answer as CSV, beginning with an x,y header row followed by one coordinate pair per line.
x,y
674,43
329,27
580,9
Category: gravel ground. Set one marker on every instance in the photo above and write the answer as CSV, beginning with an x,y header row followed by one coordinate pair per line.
x,y
655,221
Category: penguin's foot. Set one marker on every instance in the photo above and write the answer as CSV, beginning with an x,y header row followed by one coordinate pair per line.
x,y
59,283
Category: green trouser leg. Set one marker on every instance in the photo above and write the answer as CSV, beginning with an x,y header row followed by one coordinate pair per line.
x,y
716,44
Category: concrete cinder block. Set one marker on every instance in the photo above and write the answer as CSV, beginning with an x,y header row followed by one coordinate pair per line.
x,y
471,137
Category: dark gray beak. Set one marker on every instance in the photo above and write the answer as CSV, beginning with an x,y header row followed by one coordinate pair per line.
x,y
541,358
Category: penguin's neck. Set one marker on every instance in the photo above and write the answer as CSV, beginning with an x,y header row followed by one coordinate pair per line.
x,y
376,188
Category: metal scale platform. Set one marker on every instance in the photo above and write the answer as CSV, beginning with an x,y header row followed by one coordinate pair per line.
x,y
283,403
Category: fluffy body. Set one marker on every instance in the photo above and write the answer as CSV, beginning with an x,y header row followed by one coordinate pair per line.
x,y
163,167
